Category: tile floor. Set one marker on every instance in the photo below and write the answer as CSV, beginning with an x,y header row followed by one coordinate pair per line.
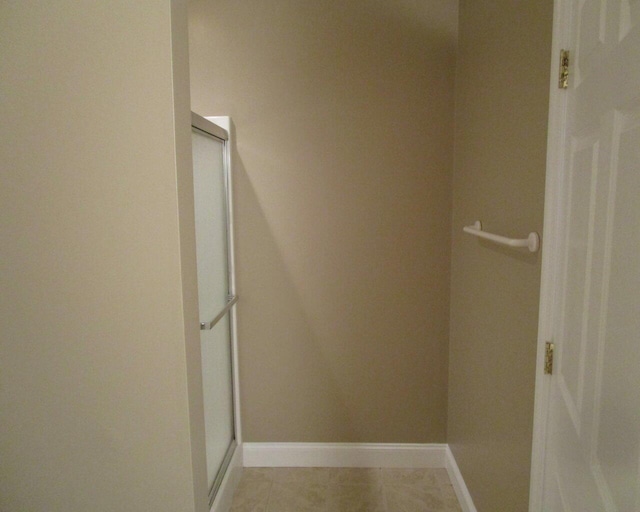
x,y
344,490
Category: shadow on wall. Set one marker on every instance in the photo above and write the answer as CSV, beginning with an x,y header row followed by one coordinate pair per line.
x,y
299,351
344,115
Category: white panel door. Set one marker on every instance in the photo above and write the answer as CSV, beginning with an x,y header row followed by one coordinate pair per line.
x,y
592,456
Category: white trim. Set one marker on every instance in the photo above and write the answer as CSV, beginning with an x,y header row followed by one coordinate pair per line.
x,y
224,496
339,455
550,258
223,122
462,493
226,123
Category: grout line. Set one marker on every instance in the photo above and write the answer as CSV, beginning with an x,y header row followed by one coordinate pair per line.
x,y
326,495
266,509
385,503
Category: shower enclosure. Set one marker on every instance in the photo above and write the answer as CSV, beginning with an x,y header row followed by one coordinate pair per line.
x,y
216,292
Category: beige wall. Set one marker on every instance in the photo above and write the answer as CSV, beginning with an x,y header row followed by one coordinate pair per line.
x,y
96,284
344,115
502,87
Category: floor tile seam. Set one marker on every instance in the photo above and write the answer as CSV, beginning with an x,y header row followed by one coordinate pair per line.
x,y
421,487
298,488
336,480
402,489
326,500
268,504
301,483
373,486
385,502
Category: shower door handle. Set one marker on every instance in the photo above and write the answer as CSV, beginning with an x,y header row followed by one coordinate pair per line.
x,y
207,326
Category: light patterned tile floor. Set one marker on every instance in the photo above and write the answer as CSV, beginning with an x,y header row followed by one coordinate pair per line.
x,y
344,490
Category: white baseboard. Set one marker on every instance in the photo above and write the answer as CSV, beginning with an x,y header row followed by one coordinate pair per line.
x,y
458,482
224,497
341,455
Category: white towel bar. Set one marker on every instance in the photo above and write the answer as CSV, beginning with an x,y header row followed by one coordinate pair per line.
x,y
532,242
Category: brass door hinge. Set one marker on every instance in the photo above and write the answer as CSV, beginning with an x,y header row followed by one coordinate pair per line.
x,y
563,81
548,358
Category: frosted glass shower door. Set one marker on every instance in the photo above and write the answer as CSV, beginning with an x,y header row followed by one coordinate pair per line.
x,y
214,294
